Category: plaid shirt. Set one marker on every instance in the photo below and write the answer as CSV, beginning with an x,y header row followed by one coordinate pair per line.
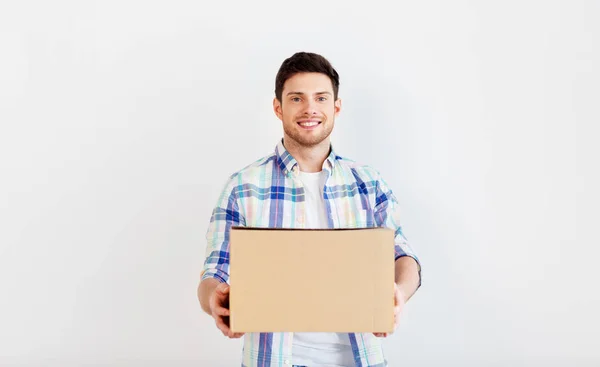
x,y
269,194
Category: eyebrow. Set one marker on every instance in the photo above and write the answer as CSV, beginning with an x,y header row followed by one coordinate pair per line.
x,y
300,93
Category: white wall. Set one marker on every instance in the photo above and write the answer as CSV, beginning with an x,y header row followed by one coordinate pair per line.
x,y
120,121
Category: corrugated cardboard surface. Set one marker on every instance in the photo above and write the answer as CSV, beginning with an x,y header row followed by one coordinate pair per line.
x,y
311,280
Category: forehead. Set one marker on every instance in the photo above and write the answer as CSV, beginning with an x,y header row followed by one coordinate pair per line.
x,y
308,83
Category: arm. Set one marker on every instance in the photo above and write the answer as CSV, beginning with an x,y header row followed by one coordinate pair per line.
x,y
213,290
407,276
225,215
407,266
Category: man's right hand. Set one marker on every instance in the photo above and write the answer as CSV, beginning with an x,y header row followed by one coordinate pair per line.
x,y
219,308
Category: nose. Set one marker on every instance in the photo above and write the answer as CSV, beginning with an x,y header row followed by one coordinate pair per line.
x,y
310,107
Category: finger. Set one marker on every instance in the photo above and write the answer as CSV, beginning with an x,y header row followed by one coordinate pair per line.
x,y
220,311
233,335
216,299
222,296
220,300
223,329
222,326
223,288
220,319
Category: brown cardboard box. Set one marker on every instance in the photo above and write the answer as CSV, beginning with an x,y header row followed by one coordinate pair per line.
x,y
298,280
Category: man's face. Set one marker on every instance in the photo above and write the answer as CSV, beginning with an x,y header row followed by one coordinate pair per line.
x,y
307,108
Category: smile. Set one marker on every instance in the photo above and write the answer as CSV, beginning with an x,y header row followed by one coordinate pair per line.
x,y
309,124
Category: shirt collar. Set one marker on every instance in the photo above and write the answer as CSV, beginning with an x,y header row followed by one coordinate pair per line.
x,y
288,163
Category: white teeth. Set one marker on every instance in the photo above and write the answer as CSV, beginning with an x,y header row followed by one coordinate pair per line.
x,y
308,124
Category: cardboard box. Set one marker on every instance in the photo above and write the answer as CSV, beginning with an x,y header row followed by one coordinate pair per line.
x,y
311,280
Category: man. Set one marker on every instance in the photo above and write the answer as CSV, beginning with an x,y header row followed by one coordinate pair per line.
x,y
304,184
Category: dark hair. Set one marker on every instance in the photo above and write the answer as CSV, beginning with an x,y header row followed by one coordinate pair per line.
x,y
305,62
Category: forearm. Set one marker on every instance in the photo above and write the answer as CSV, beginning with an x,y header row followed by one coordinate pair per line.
x,y
407,276
205,289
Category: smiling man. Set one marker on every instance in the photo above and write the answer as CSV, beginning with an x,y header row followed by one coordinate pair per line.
x,y
304,184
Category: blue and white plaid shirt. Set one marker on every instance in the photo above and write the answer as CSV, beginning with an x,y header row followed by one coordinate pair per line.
x,y
269,194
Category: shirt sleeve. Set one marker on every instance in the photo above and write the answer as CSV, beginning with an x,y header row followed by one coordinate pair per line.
x,y
225,215
387,214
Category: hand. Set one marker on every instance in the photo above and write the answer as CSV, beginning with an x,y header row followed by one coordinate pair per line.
x,y
219,308
398,306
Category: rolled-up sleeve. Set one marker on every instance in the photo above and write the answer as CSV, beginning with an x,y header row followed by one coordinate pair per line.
x,y
387,214
225,215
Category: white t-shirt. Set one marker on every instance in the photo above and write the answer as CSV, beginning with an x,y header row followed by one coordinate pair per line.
x,y
319,349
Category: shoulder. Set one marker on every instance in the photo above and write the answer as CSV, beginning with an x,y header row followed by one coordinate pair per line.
x,y
365,171
253,173
367,174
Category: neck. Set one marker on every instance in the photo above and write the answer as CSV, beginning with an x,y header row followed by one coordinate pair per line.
x,y
310,159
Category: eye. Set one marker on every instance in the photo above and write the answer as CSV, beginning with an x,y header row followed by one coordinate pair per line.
x,y
295,99
322,99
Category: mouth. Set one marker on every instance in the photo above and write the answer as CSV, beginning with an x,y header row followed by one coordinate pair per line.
x,y
309,124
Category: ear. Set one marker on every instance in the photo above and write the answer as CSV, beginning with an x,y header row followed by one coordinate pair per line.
x,y
277,108
337,106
